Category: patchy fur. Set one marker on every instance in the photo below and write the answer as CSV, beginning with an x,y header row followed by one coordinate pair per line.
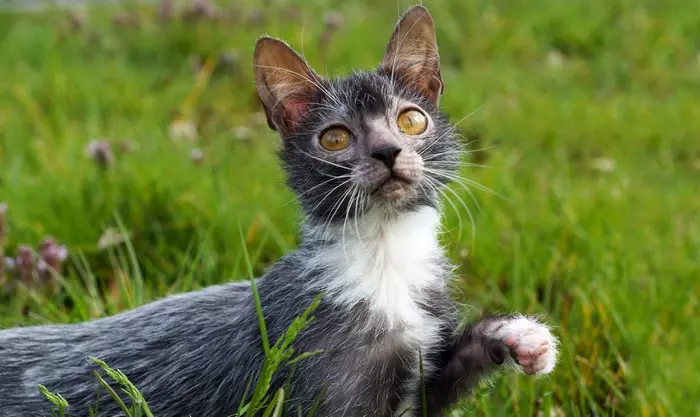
x,y
369,243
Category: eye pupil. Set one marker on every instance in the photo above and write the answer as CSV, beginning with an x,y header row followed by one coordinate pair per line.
x,y
412,122
335,139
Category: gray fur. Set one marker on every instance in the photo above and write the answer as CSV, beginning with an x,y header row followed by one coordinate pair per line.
x,y
194,353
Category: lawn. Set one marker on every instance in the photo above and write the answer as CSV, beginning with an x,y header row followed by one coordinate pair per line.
x,y
586,114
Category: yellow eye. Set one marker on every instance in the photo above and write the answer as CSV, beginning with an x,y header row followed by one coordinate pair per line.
x,y
412,122
335,139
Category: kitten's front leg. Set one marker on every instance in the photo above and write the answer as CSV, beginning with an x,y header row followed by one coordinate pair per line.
x,y
519,341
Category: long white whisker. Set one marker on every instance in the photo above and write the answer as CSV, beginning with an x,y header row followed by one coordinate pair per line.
x,y
461,181
328,194
315,83
437,189
451,130
321,159
357,229
446,164
463,204
318,185
327,222
332,176
345,220
461,150
337,206
469,213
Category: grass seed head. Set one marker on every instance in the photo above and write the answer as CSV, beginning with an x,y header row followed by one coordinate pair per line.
x,y
101,152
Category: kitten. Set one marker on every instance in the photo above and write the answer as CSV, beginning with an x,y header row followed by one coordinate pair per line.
x,y
366,155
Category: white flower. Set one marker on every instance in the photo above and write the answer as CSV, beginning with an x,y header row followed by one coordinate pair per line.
x,y
604,164
183,129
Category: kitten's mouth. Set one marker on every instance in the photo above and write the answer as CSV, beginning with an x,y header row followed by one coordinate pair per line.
x,y
393,188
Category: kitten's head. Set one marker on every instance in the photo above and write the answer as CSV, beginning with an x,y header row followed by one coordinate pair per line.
x,y
372,139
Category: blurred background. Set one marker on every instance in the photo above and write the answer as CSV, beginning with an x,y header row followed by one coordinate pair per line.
x,y
135,163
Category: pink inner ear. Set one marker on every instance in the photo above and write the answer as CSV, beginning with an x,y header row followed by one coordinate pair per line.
x,y
294,110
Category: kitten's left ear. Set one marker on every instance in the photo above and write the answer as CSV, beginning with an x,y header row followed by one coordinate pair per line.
x,y
412,54
285,82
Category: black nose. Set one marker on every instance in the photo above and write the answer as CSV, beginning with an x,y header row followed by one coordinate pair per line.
x,y
387,155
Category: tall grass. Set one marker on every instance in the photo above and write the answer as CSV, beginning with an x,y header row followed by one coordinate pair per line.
x,y
588,122
259,402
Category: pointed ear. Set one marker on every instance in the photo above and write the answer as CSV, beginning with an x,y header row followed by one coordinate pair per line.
x,y
286,84
412,54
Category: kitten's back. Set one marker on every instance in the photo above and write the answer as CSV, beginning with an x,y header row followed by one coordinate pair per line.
x,y
177,344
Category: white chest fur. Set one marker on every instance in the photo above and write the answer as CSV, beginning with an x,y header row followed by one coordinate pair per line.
x,y
387,263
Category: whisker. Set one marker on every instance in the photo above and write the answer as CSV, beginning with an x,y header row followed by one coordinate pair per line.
x,y
398,48
332,176
297,198
437,189
451,130
321,159
459,164
473,197
316,83
461,181
328,194
363,196
325,225
469,213
345,220
337,206
457,212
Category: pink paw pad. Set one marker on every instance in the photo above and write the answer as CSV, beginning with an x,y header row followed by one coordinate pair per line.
x,y
531,345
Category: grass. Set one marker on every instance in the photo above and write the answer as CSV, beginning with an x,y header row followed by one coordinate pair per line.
x,y
589,123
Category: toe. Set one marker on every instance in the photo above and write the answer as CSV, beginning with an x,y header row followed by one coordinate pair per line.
x,y
524,360
544,348
529,370
511,341
524,351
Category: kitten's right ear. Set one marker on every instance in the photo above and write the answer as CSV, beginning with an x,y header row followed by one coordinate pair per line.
x,y
285,82
412,54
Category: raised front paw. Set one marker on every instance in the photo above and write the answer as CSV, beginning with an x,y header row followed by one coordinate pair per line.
x,y
530,343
